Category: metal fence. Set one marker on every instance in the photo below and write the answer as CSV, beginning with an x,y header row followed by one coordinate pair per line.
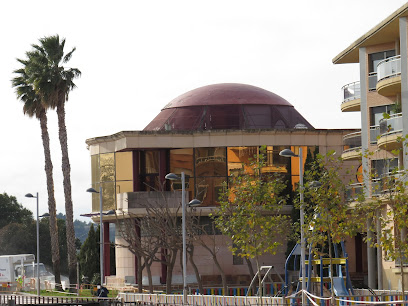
x,y
12,300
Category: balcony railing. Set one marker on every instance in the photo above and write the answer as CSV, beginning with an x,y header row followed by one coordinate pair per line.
x,y
354,190
389,67
374,133
351,91
372,81
379,185
351,142
385,182
391,125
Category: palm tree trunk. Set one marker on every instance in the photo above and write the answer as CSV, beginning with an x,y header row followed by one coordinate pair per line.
x,y
51,198
66,170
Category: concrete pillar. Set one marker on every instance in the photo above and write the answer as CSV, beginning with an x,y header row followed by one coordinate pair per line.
x,y
404,82
106,249
365,133
379,252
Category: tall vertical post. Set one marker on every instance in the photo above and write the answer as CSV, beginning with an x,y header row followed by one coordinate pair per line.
x,y
379,252
38,249
403,24
183,225
302,223
101,234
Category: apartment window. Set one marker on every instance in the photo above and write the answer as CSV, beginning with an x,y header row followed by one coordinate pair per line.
x,y
383,166
377,113
375,58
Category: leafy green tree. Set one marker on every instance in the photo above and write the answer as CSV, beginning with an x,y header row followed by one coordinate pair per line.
x,y
52,82
17,238
33,107
89,254
331,220
250,212
12,211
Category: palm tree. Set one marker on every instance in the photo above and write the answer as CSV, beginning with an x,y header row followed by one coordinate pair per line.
x,y
52,82
33,108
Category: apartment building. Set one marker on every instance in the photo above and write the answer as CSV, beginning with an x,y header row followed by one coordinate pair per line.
x,y
381,96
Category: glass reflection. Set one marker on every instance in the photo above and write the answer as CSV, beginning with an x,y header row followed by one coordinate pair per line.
x,y
210,162
181,160
209,189
95,173
107,167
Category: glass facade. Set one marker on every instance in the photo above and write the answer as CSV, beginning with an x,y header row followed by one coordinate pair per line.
x,y
205,169
114,173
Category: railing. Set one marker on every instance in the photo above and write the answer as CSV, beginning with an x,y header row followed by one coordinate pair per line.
x,y
389,67
385,182
351,91
393,124
360,298
374,133
354,190
372,81
11,299
352,140
199,300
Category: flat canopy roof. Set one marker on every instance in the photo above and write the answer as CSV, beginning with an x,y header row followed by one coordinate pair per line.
x,y
385,32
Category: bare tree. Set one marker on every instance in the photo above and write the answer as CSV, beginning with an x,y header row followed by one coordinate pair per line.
x,y
142,241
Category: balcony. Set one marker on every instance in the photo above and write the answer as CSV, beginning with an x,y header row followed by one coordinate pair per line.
x,y
390,133
379,186
374,133
351,97
354,190
352,146
385,183
138,202
389,76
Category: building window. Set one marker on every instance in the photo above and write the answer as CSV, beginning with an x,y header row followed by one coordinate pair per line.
x,y
383,167
377,113
210,173
149,174
375,58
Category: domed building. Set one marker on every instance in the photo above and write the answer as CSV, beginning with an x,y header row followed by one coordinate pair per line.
x,y
207,134
227,107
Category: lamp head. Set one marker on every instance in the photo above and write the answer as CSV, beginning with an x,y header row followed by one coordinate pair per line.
x,y
172,177
194,203
315,184
92,190
45,215
287,153
29,195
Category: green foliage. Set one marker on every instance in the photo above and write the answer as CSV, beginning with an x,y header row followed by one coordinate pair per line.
x,y
249,211
13,212
89,254
328,214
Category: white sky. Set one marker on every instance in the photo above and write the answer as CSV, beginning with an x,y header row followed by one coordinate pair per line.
x,y
136,56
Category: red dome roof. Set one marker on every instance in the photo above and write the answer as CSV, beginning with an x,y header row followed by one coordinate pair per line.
x,y
228,106
228,93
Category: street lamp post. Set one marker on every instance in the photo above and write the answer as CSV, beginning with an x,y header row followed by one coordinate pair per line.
x,y
101,213
194,202
29,195
289,153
